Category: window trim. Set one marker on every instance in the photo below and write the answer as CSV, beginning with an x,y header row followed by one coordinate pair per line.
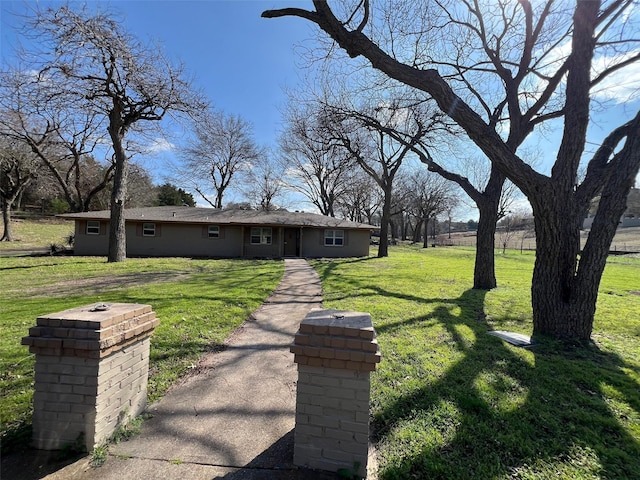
x,y
265,235
211,229
149,229
331,236
93,227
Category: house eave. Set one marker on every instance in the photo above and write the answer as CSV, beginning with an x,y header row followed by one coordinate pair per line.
x,y
204,216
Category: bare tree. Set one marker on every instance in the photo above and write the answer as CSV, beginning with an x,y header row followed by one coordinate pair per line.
x,y
501,71
362,199
221,148
315,167
491,199
514,223
452,206
89,60
364,133
507,230
403,194
263,182
430,196
18,168
64,139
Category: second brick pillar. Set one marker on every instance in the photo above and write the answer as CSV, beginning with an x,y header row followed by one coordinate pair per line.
x,y
336,351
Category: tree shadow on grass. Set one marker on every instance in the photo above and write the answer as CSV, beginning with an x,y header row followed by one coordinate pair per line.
x,y
330,266
502,412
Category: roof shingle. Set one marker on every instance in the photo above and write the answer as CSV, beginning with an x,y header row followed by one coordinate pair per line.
x,y
200,215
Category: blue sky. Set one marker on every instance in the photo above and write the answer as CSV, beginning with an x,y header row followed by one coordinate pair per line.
x,y
241,61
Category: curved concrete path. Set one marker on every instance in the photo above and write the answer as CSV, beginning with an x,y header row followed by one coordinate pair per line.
x,y
234,417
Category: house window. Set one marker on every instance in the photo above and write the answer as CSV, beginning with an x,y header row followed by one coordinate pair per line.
x,y
334,238
214,231
148,229
260,236
93,227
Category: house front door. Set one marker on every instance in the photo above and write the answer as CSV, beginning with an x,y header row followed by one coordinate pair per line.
x,y
291,242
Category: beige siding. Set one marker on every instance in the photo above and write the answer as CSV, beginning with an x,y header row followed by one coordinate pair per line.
x,y
356,244
177,240
183,240
263,251
91,245
191,240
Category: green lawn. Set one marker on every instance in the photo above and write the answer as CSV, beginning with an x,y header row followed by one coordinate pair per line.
x,y
448,400
198,302
38,234
451,402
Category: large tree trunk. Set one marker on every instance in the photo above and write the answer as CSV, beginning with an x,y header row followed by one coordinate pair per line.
x,y
117,229
488,203
383,248
484,270
564,290
559,309
425,238
7,236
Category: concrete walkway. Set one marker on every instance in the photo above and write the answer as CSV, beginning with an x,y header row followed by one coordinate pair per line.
x,y
234,417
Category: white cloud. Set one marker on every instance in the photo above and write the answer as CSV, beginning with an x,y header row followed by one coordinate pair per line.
x,y
159,145
622,86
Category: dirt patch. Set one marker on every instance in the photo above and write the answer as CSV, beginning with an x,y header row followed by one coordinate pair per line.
x,y
98,285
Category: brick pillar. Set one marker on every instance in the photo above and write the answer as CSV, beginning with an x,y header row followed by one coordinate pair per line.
x,y
91,372
336,352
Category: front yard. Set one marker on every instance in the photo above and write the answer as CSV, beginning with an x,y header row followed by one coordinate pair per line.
x,y
198,302
448,400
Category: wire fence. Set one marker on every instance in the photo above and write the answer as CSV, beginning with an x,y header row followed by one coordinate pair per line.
x,y
630,245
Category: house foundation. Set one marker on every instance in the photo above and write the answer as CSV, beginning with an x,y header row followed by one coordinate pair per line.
x,y
91,372
336,352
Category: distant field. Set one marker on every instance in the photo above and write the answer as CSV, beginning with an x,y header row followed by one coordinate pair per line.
x,y
626,239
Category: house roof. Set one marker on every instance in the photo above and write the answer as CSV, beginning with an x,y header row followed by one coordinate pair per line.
x,y
172,214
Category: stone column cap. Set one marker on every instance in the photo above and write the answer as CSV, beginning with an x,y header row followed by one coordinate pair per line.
x,y
337,339
338,323
92,331
96,316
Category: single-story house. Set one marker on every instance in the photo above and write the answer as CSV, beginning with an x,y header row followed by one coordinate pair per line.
x,y
207,232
